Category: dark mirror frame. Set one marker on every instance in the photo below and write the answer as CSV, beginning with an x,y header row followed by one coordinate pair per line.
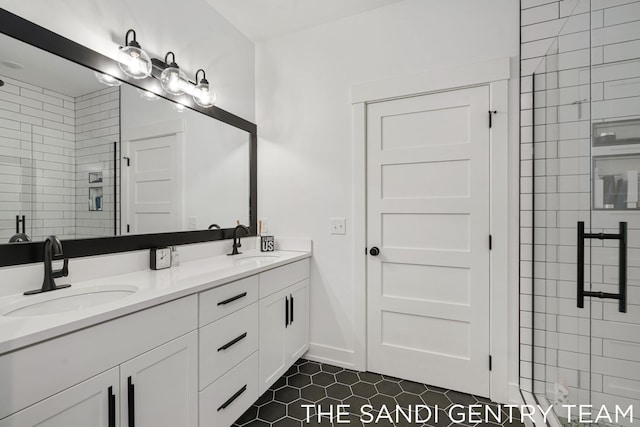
x,y
24,253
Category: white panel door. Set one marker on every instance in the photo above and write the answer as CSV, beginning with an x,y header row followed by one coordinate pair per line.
x,y
86,404
153,180
160,387
428,213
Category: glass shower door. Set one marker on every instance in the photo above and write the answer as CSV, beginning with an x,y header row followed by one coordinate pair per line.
x,y
615,163
562,330
587,218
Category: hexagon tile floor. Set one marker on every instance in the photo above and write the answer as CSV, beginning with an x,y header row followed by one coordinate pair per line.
x,y
312,383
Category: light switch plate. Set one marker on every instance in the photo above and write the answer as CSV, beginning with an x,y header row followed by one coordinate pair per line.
x,y
338,226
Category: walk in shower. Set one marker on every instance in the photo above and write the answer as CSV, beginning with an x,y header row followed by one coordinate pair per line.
x,y
585,239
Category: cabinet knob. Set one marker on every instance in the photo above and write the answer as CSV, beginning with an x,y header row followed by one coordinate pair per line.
x,y
374,251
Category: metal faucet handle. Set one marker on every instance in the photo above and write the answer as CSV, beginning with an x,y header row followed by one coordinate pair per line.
x,y
56,245
63,272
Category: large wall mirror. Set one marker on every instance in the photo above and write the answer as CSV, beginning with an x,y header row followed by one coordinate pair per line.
x,y
110,165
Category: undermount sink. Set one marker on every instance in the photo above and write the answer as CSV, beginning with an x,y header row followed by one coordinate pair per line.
x,y
65,300
256,259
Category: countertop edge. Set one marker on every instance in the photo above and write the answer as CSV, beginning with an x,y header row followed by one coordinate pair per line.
x,y
10,345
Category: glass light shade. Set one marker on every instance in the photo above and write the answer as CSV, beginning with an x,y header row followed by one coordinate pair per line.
x,y
106,79
134,62
203,95
173,80
149,96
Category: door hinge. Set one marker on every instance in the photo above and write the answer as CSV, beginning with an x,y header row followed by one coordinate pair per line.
x,y
490,242
490,363
128,228
128,161
491,113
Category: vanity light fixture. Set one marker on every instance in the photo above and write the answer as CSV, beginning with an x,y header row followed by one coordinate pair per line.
x,y
172,79
202,93
134,61
107,79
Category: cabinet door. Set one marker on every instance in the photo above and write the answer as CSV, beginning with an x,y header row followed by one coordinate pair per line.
x,y
90,403
160,387
297,340
273,329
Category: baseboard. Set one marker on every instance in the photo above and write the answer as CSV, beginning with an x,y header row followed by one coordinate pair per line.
x,y
330,355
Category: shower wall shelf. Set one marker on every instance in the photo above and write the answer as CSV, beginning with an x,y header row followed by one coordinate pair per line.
x,y
95,199
616,165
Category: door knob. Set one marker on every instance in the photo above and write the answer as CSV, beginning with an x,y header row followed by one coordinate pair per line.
x,y
374,251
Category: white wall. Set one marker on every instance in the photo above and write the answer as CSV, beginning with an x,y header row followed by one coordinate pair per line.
x,y
215,160
303,112
199,36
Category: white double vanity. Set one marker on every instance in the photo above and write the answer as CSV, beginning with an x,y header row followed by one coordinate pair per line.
x,y
189,346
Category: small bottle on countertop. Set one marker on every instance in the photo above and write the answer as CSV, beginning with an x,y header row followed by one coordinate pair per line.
x,y
258,236
175,257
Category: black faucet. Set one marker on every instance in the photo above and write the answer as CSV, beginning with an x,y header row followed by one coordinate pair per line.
x,y
236,238
52,246
212,226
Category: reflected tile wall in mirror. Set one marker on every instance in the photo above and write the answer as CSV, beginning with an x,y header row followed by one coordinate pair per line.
x,y
49,142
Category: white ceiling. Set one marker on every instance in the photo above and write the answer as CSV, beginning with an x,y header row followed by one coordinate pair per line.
x,y
45,70
263,19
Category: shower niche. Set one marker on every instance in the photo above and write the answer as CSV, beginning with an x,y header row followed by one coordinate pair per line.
x,y
616,165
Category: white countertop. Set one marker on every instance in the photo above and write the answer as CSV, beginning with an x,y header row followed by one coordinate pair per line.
x,y
153,288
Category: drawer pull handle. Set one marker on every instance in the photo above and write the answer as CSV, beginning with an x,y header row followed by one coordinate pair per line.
x,y
112,408
232,398
232,342
291,304
232,299
131,403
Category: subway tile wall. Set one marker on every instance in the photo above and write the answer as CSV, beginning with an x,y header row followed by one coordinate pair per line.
x,y
48,144
97,136
586,56
37,155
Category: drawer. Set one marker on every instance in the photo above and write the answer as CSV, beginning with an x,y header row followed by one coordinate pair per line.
x,y
279,278
225,400
226,299
226,342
